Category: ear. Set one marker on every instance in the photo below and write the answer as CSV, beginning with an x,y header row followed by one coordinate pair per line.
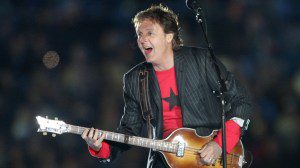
x,y
170,37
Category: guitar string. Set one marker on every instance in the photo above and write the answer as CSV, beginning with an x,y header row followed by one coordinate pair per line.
x,y
230,160
196,151
186,148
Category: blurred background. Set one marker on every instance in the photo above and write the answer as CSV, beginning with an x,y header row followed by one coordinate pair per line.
x,y
258,41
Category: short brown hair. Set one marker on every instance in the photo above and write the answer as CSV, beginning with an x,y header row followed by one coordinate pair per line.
x,y
165,17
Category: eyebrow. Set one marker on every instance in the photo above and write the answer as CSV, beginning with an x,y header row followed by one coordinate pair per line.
x,y
147,29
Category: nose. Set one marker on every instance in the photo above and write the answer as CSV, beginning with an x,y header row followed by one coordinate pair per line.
x,y
142,39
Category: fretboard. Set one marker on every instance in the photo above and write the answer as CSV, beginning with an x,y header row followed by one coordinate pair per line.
x,y
160,145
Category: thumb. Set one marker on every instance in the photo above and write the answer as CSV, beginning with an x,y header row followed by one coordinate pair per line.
x,y
202,149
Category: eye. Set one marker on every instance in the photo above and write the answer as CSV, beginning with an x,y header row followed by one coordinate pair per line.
x,y
150,33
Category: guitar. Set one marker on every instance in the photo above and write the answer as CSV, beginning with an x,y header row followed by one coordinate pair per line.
x,y
179,149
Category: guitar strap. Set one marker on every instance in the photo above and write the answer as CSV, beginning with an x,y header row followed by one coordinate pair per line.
x,y
144,99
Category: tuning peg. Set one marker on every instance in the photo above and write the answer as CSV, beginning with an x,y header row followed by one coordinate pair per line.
x,y
56,118
44,133
53,135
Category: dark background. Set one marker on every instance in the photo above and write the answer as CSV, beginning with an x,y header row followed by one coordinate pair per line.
x,y
258,41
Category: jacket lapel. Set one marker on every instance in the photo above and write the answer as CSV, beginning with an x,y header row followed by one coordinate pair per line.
x,y
179,63
153,86
156,98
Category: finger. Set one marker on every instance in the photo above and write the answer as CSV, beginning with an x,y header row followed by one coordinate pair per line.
x,y
100,140
95,137
214,161
84,134
211,160
207,155
102,136
91,133
201,150
203,156
204,152
205,161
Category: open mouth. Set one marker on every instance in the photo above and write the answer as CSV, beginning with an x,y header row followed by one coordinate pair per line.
x,y
148,50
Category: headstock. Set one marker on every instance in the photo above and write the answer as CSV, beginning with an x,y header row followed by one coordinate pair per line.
x,y
54,126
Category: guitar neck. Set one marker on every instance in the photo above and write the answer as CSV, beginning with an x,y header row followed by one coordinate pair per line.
x,y
160,145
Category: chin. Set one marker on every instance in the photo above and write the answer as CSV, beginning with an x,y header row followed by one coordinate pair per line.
x,y
148,59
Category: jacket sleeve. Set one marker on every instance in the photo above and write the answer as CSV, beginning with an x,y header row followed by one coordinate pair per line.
x,y
237,100
103,153
131,121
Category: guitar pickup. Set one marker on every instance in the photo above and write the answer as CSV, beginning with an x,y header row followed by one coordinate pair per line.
x,y
180,149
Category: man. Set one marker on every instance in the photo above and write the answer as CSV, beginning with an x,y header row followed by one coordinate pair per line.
x,y
182,87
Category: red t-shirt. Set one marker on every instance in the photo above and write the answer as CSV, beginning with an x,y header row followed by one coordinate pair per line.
x,y
172,116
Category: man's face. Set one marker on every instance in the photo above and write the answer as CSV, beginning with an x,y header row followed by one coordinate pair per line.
x,y
153,41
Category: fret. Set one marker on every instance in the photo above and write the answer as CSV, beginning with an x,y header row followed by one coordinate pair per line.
x,y
159,146
143,142
132,140
171,147
111,136
165,146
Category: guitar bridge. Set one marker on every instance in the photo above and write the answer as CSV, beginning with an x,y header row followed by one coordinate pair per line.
x,y
180,149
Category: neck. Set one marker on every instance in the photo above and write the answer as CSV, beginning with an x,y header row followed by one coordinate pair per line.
x,y
166,63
